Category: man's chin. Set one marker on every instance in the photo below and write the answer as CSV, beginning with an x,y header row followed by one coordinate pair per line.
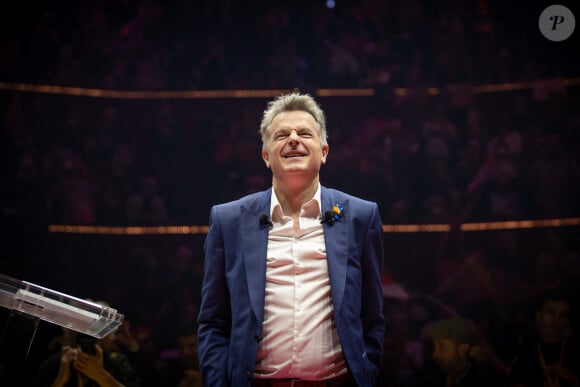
x,y
295,168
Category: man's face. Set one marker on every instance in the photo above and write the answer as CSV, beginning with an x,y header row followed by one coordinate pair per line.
x,y
446,353
552,320
293,145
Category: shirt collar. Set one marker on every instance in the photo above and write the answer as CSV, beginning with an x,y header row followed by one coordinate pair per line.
x,y
310,209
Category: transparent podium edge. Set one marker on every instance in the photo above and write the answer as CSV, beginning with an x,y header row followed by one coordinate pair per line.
x,y
58,308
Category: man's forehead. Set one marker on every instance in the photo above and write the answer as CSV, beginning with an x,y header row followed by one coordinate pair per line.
x,y
293,115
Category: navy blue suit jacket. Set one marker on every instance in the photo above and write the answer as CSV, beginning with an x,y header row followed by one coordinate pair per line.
x,y
233,291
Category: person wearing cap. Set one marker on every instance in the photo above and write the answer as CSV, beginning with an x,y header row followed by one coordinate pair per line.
x,y
455,341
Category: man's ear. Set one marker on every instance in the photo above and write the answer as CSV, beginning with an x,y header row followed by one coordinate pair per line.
x,y
265,157
325,150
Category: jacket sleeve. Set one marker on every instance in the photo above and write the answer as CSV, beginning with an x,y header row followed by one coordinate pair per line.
x,y
214,319
372,304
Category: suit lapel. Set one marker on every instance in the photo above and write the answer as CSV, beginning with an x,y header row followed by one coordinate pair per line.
x,y
336,240
254,250
255,247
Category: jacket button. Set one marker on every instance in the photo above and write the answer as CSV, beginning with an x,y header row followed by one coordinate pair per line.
x,y
258,338
250,375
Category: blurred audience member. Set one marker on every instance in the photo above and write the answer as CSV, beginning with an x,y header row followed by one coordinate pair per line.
x,y
551,357
85,361
180,367
459,354
147,207
140,346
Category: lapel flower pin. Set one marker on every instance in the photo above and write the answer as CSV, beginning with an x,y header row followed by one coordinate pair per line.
x,y
333,215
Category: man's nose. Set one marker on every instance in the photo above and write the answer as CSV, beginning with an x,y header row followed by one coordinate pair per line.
x,y
293,137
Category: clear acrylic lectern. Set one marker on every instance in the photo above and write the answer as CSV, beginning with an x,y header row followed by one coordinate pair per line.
x,y
28,303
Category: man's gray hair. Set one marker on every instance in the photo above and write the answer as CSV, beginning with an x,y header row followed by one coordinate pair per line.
x,y
293,102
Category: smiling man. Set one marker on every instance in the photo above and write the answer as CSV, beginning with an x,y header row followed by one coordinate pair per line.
x,y
292,286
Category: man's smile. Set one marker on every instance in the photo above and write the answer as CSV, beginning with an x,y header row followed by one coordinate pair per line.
x,y
293,154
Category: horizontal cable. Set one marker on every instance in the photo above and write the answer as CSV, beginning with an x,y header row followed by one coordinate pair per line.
x,y
345,92
520,224
132,94
387,228
269,93
135,230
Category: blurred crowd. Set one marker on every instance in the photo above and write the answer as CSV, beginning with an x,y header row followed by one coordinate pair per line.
x,y
425,158
110,163
154,45
453,157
